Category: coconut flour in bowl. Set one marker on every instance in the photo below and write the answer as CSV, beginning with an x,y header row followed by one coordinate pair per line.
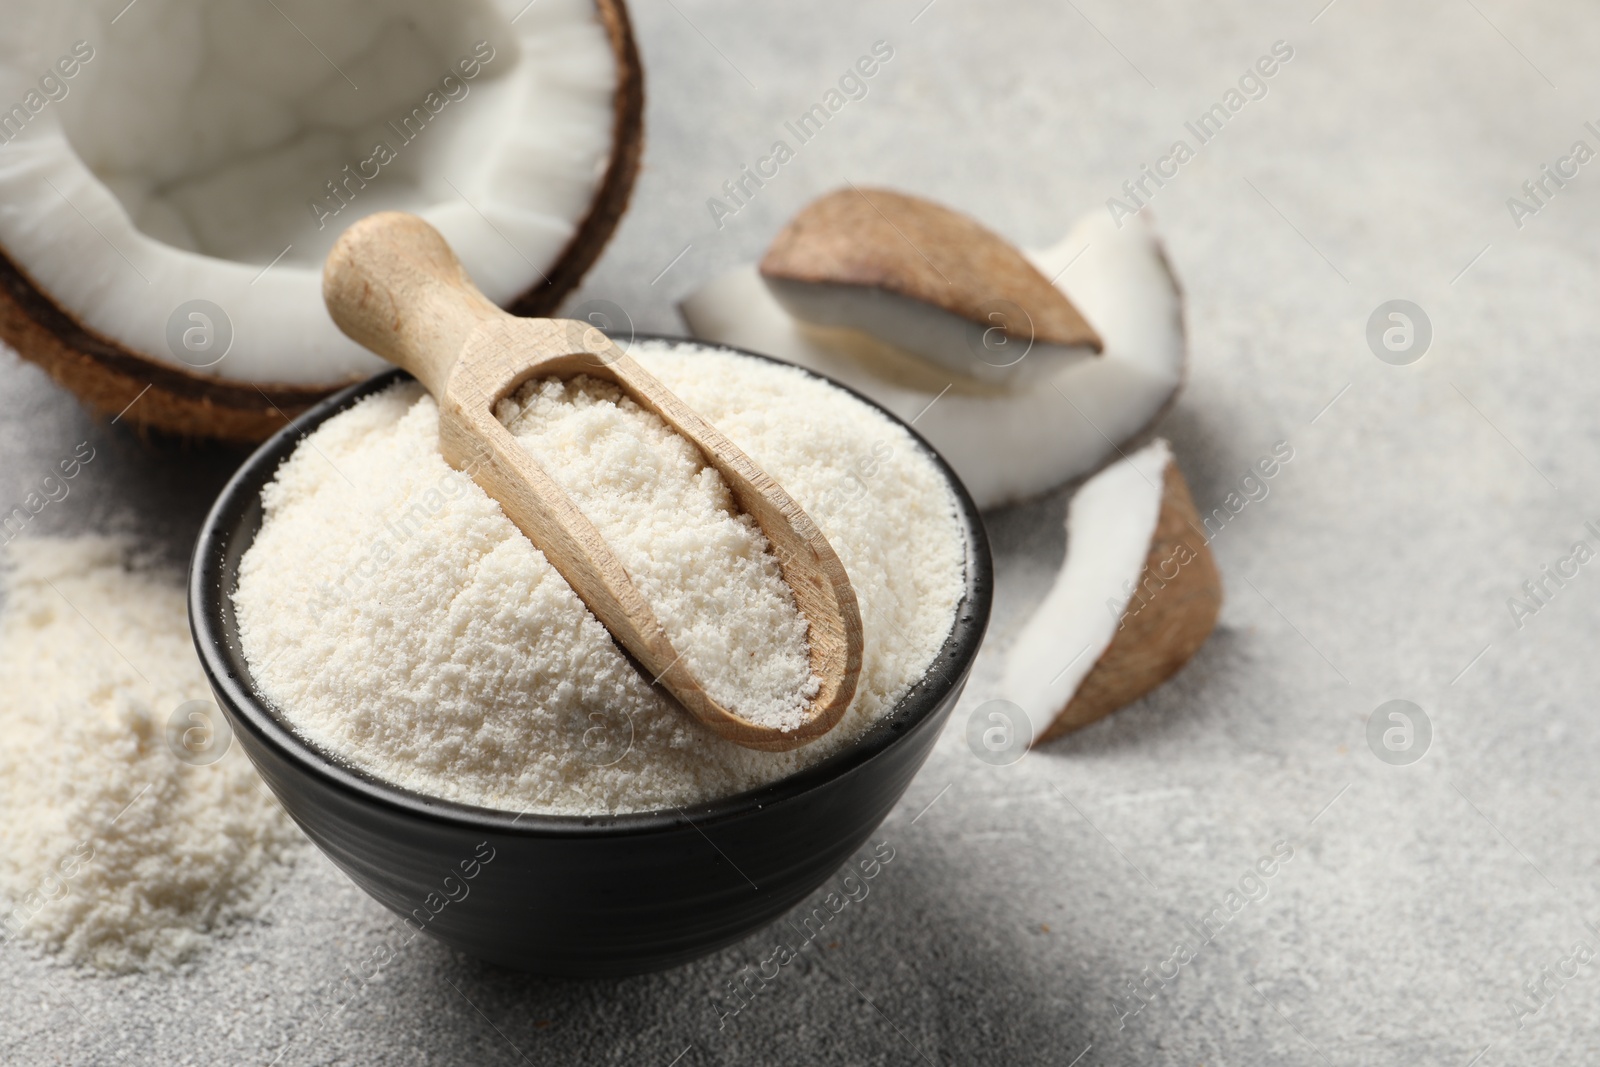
x,y
398,620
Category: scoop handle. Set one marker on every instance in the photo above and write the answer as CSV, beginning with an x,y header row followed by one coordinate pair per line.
x,y
393,285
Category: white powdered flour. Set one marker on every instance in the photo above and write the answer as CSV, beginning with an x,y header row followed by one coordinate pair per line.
x,y
705,569
112,850
402,623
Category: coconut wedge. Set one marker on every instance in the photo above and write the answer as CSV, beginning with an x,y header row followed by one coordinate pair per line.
x,y
927,279
1135,598
174,172
1007,444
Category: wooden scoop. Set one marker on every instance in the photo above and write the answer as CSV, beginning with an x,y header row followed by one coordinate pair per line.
x,y
393,285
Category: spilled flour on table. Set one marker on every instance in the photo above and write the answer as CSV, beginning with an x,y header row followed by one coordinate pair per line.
x,y
113,851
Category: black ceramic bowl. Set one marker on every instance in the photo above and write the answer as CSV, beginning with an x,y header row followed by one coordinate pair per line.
x,y
571,895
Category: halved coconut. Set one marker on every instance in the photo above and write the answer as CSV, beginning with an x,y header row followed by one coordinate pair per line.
x,y
928,279
1137,595
175,171
1007,444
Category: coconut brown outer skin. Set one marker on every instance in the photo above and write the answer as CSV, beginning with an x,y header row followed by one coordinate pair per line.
x,y
878,238
1153,644
108,377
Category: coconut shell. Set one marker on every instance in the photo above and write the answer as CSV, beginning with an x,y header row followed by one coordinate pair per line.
x,y
1154,640
108,377
877,238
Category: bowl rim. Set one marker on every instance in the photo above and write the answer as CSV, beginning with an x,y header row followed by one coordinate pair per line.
x,y
213,574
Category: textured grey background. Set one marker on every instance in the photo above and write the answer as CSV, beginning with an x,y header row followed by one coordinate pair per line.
x,y
1421,898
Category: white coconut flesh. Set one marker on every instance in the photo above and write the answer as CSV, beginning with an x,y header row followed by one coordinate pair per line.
x,y
1110,524
1007,444
998,351
187,154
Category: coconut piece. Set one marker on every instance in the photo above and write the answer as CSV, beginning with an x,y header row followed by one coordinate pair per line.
x,y
209,152
926,279
1006,444
1135,598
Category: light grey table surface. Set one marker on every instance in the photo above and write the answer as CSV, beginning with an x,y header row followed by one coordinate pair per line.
x,y
1420,898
